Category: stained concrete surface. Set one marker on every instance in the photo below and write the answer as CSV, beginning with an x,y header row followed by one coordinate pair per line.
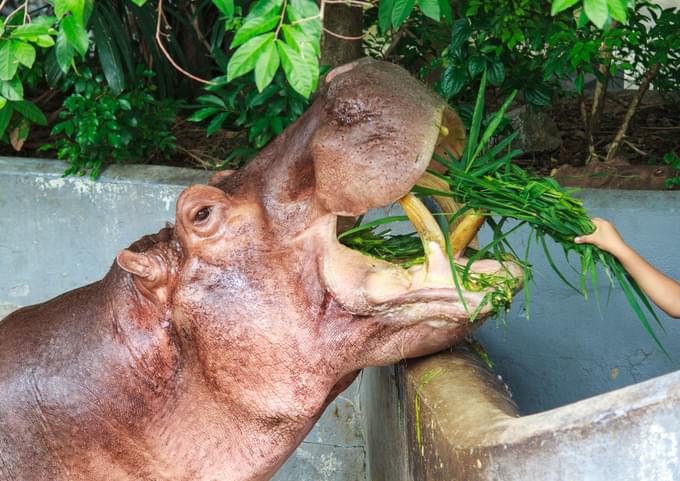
x,y
59,233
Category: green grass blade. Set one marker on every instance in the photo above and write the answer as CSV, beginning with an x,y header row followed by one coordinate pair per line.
x,y
370,225
475,127
493,125
554,267
620,274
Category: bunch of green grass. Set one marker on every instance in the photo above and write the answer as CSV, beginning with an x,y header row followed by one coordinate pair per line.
x,y
407,249
484,178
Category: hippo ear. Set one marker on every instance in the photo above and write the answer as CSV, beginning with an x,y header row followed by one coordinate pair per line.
x,y
137,264
151,276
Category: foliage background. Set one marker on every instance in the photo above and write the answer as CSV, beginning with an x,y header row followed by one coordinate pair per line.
x,y
92,79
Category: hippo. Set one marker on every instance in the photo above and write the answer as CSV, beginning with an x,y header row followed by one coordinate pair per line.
x,y
210,349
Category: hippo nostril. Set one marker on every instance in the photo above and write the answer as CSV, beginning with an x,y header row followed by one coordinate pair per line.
x,y
202,214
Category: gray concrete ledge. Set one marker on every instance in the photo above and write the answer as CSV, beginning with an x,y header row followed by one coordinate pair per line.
x,y
114,174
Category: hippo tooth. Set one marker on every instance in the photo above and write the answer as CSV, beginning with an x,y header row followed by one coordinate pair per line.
x,y
423,221
437,269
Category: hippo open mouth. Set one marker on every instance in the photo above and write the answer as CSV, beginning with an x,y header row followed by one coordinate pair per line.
x,y
434,292
391,152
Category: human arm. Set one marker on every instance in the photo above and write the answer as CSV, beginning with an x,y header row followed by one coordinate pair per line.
x,y
661,289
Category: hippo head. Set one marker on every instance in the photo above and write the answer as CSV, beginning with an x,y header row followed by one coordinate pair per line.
x,y
265,298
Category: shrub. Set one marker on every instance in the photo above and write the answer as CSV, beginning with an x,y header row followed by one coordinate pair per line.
x,y
99,127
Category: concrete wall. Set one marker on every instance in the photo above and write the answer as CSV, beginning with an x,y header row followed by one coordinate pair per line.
x,y
60,233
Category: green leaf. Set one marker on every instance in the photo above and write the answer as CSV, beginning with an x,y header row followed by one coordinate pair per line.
x,y
460,33
31,111
75,34
61,8
44,41
445,8
475,125
139,3
305,15
120,36
12,89
245,57
3,103
385,8
496,73
539,96
302,11
226,7
580,80
402,9
266,66
561,5
298,40
30,31
8,61
476,65
80,9
64,52
430,8
204,113
216,123
53,71
5,118
24,53
617,9
297,70
452,82
107,50
264,16
494,124
212,100
597,11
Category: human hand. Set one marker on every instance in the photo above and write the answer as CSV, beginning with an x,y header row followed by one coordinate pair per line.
x,y
606,237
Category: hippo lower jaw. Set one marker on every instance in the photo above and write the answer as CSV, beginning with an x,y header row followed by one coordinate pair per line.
x,y
424,293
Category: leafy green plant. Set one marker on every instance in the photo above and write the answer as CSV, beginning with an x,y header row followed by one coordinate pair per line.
x,y
20,43
99,126
279,33
672,159
240,106
507,39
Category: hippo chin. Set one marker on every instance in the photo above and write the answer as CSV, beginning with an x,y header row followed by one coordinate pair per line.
x,y
210,349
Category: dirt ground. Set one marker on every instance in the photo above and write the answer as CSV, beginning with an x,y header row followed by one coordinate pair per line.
x,y
653,133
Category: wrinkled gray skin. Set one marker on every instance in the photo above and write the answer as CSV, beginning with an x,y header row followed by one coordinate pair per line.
x,y
210,349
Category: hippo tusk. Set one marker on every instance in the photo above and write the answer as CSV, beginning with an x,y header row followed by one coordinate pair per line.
x,y
465,229
423,221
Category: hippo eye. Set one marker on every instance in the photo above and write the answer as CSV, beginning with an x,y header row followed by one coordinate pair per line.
x,y
202,214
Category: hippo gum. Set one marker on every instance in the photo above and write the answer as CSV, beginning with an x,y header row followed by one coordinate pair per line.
x,y
210,349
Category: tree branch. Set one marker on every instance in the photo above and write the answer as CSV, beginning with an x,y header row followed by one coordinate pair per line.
x,y
343,37
632,108
161,46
